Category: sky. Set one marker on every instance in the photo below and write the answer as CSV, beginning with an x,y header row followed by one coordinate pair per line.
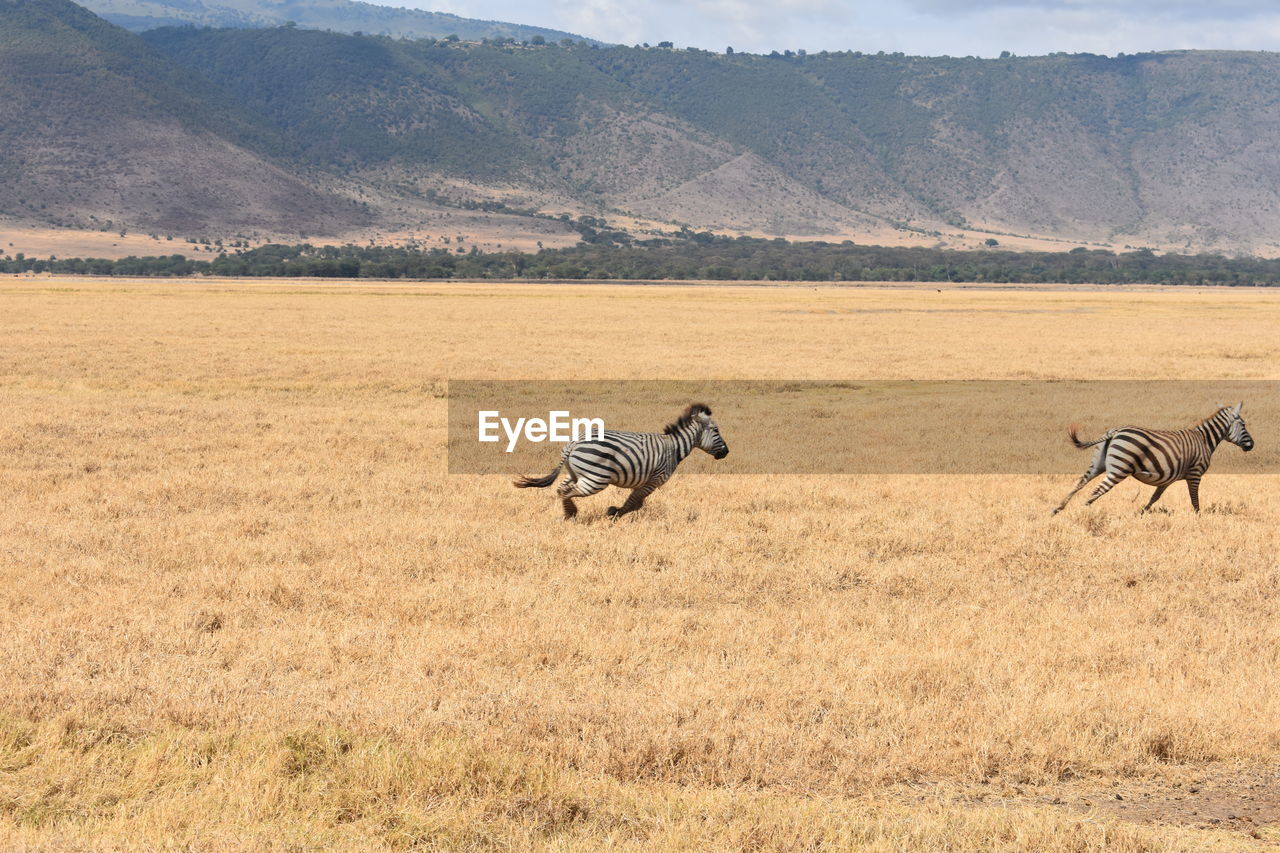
x,y
920,27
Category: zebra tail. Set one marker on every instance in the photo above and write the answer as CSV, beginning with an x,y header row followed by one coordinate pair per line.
x,y
1074,432
536,482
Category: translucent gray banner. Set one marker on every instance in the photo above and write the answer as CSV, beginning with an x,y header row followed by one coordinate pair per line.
x,y
852,427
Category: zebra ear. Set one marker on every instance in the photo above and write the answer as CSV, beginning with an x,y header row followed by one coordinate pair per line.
x,y
1238,407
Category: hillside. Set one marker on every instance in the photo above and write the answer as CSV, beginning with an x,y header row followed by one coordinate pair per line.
x,y
342,16
1176,149
100,133
97,128
294,131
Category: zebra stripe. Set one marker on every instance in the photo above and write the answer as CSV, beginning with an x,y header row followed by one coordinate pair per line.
x,y
1160,457
639,461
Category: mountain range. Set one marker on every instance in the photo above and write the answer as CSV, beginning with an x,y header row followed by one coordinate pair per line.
x,y
289,130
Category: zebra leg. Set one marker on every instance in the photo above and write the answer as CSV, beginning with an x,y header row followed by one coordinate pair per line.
x,y
564,490
1193,489
1094,470
572,488
634,501
1088,475
1155,497
1107,485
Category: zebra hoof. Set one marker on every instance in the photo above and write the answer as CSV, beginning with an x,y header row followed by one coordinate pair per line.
x,y
613,511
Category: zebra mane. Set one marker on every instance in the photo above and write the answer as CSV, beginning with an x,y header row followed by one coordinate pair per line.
x,y
1215,414
688,415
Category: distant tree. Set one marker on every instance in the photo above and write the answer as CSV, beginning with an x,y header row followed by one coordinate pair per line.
x,y
538,40
566,42
991,241
666,44
728,51
452,37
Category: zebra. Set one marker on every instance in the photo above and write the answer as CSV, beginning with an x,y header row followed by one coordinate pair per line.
x,y
639,461
1160,457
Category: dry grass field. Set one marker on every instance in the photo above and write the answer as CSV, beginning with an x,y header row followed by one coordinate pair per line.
x,y
244,606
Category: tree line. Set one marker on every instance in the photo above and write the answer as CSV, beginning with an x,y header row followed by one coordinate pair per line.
x,y
609,255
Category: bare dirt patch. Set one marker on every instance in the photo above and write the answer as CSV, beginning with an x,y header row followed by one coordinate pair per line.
x,y
1242,799
1232,799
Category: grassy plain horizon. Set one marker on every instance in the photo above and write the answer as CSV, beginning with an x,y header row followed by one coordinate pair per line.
x,y
247,607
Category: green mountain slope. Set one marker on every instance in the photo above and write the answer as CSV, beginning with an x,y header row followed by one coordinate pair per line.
x,y
1163,149
347,101
96,125
343,16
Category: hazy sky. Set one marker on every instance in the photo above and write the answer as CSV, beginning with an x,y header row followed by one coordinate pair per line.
x,y
926,27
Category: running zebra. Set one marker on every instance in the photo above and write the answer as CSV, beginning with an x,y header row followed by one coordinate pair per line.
x,y
639,461
1160,457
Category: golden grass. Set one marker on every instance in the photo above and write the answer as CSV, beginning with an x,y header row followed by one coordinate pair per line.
x,y
244,606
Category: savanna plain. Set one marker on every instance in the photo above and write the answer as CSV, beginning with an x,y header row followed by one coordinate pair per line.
x,y
244,605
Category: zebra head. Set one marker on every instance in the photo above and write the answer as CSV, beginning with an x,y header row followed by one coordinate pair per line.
x,y
1237,433
696,429
710,438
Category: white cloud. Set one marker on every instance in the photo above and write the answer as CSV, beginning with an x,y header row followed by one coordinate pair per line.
x,y
1166,8
926,27
1081,30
